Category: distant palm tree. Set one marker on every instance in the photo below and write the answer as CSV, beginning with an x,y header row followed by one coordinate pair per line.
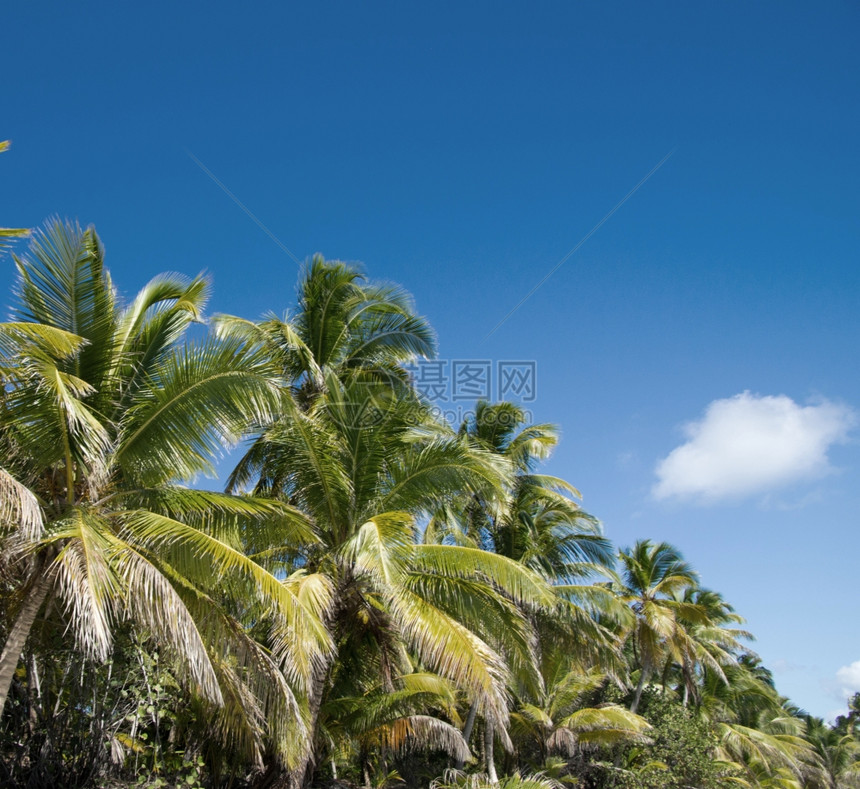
x,y
536,522
561,721
709,640
652,576
539,522
759,735
839,753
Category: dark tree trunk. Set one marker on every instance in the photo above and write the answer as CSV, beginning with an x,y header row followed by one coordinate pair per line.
x,y
20,631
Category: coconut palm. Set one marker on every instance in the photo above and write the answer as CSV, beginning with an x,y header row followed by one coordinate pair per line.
x,y
561,721
653,575
390,719
454,779
539,522
839,755
102,413
365,487
342,324
773,752
709,640
758,733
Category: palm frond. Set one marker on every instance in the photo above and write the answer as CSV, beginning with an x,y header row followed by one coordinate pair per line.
x,y
19,337
151,600
202,555
605,725
453,651
19,508
86,582
522,584
198,402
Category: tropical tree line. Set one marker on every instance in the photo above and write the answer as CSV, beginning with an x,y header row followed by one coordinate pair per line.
x,y
377,598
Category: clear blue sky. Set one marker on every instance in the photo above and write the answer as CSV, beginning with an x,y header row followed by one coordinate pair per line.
x,y
463,150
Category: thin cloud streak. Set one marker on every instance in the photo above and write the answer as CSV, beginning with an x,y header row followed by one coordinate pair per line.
x,y
241,205
585,238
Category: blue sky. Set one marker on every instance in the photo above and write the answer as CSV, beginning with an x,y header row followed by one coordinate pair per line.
x,y
463,150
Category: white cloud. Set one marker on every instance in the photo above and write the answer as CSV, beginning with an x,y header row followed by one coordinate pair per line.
x,y
848,678
750,444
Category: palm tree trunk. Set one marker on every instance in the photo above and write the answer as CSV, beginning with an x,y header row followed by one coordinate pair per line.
x,y
666,669
467,732
488,750
302,774
688,680
14,645
643,676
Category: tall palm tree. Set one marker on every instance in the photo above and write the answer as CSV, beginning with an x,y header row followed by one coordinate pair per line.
x,y
366,485
102,414
537,522
652,577
712,640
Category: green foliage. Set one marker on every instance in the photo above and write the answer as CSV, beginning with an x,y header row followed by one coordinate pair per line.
x,y
102,411
680,754
77,723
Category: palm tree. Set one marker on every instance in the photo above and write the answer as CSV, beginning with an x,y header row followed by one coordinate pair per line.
x,y
770,752
537,522
366,485
838,752
389,721
652,577
560,721
454,779
709,640
102,413
758,734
